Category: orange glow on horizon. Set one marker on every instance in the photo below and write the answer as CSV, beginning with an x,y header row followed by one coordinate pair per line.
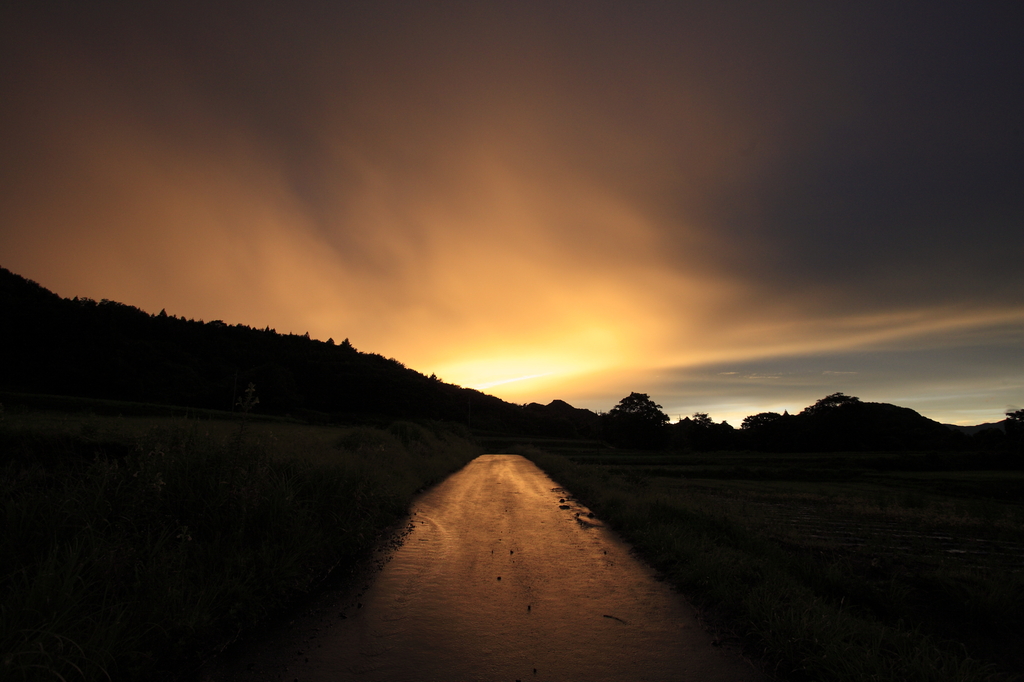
x,y
598,214
501,382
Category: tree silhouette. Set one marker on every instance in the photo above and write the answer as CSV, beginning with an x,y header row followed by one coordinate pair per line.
x,y
765,430
702,420
637,422
641,407
831,402
700,432
1015,429
756,421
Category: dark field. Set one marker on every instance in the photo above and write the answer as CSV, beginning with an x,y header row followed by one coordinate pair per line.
x,y
139,547
846,566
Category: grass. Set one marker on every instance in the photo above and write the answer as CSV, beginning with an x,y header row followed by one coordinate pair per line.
x,y
859,572
135,548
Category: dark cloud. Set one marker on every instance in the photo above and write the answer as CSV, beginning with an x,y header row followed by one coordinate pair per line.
x,y
592,192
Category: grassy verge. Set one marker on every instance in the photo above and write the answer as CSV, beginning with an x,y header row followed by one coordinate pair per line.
x,y
132,549
853,578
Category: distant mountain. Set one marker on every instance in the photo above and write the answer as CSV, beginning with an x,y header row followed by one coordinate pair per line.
x,y
868,426
971,430
845,423
563,419
80,347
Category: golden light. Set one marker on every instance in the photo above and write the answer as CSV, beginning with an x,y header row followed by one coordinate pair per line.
x,y
492,384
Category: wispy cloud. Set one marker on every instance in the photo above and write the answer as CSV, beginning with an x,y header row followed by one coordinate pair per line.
x,y
586,204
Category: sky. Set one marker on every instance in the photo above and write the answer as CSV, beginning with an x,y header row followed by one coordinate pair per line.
x,y
733,207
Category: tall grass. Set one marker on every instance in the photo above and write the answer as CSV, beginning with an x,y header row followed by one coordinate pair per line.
x,y
135,555
804,613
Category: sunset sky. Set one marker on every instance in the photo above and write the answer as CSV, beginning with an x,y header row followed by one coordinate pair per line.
x,y
731,206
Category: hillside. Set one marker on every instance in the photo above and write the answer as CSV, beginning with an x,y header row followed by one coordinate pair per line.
x,y
110,350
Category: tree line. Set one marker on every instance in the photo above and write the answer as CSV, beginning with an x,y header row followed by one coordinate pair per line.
x,y
835,423
109,350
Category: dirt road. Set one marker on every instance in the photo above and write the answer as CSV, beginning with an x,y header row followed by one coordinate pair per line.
x,y
504,577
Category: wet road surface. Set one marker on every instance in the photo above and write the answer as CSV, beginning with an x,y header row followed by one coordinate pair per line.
x,y
505,577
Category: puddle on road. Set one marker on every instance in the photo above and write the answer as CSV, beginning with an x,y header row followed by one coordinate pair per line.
x,y
505,576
